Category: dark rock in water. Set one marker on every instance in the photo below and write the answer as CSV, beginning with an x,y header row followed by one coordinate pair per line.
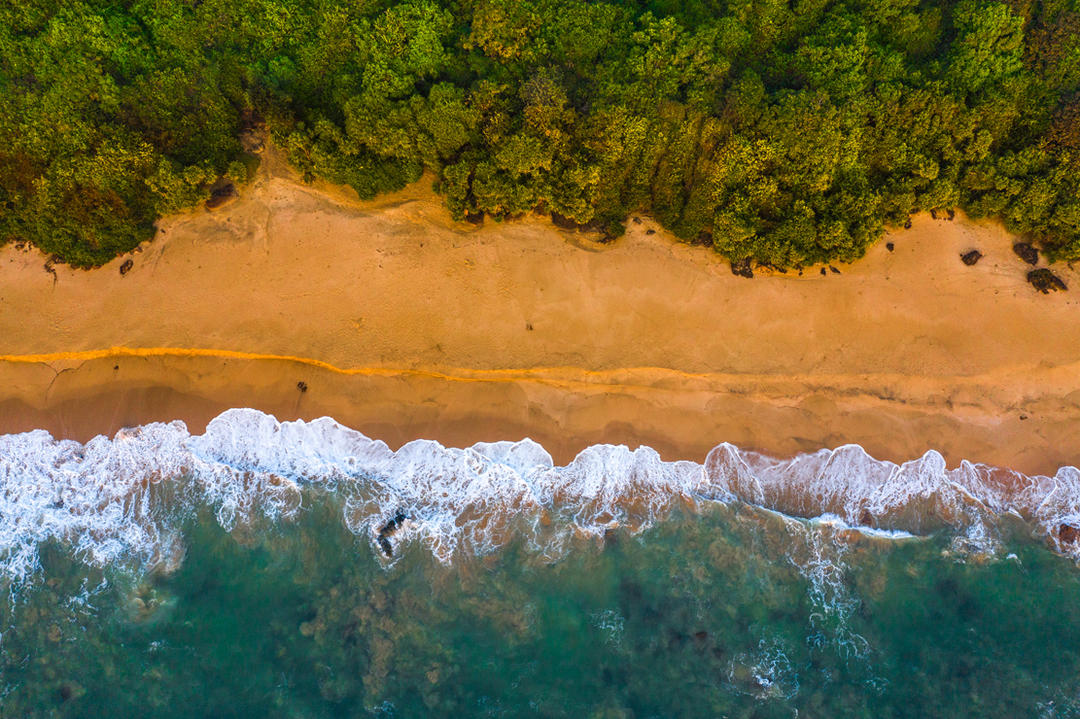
x,y
126,266
742,268
1068,534
302,386
823,272
387,531
834,270
1026,252
890,246
701,636
1045,281
907,225
970,258
650,232
392,526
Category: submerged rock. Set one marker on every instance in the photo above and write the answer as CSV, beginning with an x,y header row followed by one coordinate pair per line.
x,y
970,258
1026,252
1045,281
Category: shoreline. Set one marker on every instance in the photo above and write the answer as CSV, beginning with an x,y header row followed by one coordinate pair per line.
x,y
680,415
404,324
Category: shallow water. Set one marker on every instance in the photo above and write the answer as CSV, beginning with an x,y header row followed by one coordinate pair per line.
x,y
302,570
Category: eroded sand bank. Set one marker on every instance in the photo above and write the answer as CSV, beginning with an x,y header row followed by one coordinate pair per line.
x,y
404,324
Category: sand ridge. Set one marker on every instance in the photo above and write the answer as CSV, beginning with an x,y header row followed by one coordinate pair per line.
x,y
403,323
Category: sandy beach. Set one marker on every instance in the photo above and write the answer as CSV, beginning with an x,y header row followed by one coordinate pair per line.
x,y
401,323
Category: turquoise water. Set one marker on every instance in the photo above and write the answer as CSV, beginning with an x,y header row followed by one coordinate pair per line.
x,y
169,599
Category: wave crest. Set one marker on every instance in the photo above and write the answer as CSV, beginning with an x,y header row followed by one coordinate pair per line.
x,y
119,498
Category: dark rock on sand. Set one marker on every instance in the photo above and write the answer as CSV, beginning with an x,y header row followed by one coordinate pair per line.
x,y
126,266
650,232
704,239
907,225
1045,281
890,246
834,270
970,258
302,386
1026,252
823,272
742,268
221,195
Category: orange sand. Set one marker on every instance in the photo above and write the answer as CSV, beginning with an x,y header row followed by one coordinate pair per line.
x,y
403,323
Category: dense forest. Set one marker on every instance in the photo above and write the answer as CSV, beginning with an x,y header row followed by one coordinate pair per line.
x,y
785,131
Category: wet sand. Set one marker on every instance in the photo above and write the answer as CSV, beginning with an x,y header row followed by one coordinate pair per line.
x,y
404,324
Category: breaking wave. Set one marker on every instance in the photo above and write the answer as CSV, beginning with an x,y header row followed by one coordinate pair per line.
x,y
121,499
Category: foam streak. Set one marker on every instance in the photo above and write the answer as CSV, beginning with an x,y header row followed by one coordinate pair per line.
x,y
120,498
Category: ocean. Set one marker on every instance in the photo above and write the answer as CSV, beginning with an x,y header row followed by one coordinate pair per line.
x,y
302,569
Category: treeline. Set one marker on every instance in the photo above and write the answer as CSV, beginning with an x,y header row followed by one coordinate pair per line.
x,y
789,132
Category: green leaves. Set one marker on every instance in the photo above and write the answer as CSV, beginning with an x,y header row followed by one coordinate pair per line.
x,y
785,132
989,46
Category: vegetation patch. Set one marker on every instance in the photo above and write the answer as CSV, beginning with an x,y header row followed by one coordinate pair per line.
x,y
785,133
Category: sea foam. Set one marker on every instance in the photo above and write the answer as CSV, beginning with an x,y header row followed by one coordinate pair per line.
x,y
121,499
